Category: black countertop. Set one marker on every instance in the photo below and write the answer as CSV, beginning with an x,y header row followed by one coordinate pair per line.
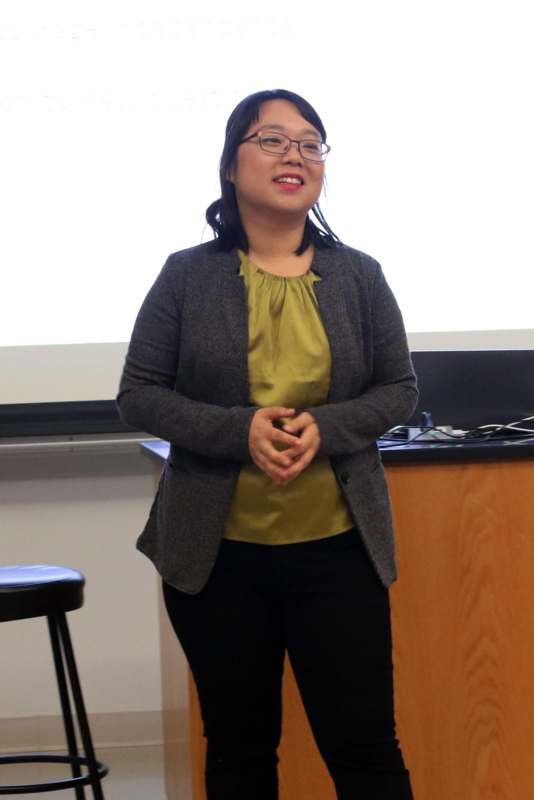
x,y
418,452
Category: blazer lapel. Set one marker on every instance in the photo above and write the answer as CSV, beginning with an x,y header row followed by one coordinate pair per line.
x,y
330,293
234,313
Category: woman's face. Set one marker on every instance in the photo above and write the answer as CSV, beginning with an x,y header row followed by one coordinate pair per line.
x,y
254,169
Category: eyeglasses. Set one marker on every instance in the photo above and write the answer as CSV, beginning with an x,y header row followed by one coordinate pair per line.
x,y
279,143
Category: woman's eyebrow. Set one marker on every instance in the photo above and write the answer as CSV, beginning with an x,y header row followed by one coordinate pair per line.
x,y
282,128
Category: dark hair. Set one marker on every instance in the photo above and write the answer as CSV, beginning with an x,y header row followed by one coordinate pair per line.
x,y
223,214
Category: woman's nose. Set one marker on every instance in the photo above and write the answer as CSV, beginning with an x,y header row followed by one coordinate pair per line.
x,y
291,155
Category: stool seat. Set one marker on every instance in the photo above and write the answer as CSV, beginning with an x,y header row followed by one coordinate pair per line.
x,y
37,590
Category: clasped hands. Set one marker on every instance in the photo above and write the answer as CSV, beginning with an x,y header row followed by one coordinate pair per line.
x,y
284,465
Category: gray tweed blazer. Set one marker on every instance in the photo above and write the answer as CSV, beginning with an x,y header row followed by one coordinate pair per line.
x,y
185,380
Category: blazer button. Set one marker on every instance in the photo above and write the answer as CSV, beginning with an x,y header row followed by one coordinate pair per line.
x,y
345,478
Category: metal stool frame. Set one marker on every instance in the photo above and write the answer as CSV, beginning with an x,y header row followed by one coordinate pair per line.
x,y
64,658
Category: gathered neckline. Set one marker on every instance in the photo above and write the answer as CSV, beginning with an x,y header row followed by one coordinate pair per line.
x,y
273,274
283,277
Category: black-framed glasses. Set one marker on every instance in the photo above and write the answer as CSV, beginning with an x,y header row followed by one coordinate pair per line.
x,y
279,143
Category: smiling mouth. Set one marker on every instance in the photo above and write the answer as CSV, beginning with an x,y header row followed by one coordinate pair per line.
x,y
291,187
292,179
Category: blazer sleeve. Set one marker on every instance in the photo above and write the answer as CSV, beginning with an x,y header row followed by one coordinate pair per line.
x,y
147,399
391,396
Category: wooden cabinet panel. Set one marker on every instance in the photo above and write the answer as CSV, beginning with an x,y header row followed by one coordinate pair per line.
x,y
463,640
463,622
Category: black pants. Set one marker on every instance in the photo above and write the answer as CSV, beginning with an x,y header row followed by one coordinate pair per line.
x,y
324,602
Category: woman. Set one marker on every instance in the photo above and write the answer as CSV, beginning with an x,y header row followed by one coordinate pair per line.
x,y
271,358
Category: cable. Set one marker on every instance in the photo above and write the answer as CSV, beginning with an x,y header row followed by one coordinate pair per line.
x,y
399,435
508,426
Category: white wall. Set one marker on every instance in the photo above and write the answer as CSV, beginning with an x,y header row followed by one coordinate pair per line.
x,y
85,511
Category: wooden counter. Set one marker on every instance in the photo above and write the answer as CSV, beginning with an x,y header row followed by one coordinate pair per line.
x,y
463,641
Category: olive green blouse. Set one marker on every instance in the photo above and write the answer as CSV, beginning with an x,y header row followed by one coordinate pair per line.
x,y
289,365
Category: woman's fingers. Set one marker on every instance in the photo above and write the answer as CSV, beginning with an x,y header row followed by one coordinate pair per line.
x,y
281,458
289,439
288,470
285,457
310,442
267,466
276,452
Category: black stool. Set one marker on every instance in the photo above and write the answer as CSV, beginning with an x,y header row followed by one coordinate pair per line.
x,y
36,590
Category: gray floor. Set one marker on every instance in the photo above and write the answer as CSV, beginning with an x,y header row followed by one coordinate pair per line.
x,y
135,773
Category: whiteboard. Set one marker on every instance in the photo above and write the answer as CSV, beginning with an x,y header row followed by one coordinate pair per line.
x,y
113,123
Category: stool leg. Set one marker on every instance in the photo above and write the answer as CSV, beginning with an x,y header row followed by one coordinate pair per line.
x,y
65,702
80,707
